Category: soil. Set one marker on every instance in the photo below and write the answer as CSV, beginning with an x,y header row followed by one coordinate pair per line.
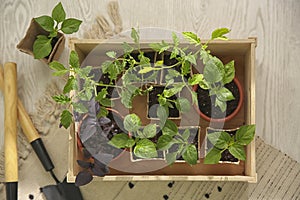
x,y
112,92
226,155
153,103
205,102
154,139
193,139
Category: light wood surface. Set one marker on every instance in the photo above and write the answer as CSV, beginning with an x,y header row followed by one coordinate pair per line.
x,y
10,124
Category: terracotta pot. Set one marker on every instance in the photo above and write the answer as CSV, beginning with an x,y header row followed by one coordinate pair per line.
x,y
80,144
233,114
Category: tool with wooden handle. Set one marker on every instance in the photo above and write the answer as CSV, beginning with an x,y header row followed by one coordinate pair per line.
x,y
30,131
10,131
61,191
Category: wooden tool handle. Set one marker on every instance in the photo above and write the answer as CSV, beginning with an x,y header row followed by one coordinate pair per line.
x,y
30,131
25,121
10,123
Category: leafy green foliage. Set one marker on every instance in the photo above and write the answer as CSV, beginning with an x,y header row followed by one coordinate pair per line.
x,y
145,148
222,141
192,38
66,118
132,123
220,33
122,140
42,45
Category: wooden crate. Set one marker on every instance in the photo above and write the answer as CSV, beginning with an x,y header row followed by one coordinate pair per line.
x,y
243,52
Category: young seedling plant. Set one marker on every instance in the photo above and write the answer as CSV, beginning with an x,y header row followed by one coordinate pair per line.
x,y
235,144
42,46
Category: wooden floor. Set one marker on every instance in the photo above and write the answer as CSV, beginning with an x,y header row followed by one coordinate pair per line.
x,y
276,24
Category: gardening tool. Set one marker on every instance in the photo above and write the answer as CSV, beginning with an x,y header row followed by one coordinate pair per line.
x,y
10,131
60,191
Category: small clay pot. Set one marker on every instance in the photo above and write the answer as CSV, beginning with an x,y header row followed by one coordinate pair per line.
x,y
233,114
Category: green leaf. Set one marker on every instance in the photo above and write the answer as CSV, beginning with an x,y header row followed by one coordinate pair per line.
x,y
238,151
191,58
62,99
74,59
111,54
194,97
192,38
190,155
126,97
171,157
127,48
160,47
149,131
245,134
172,91
164,142
205,56
42,47
145,149
213,156
132,122
175,39
219,139
170,128
183,105
146,70
135,35
121,140
79,107
186,134
223,94
195,79
221,104
58,67
70,25
66,118
70,85
229,72
46,22
162,115
106,102
219,33
212,73
103,112
185,68
58,13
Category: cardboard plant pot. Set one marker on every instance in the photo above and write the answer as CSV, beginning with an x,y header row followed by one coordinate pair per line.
x,y
34,29
161,154
227,157
235,104
194,138
152,104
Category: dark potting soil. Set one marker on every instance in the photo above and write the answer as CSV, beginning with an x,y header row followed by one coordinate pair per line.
x,y
226,155
205,102
153,103
53,42
193,139
112,92
154,139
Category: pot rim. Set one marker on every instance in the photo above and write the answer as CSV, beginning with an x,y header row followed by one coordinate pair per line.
x,y
233,114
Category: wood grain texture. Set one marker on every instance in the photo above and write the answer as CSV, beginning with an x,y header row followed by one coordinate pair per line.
x,y
276,24
10,123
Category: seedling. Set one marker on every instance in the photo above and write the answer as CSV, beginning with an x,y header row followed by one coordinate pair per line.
x,y
235,144
42,46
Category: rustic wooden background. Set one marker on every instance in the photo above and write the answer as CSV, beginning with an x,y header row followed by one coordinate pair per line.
x,y
276,24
